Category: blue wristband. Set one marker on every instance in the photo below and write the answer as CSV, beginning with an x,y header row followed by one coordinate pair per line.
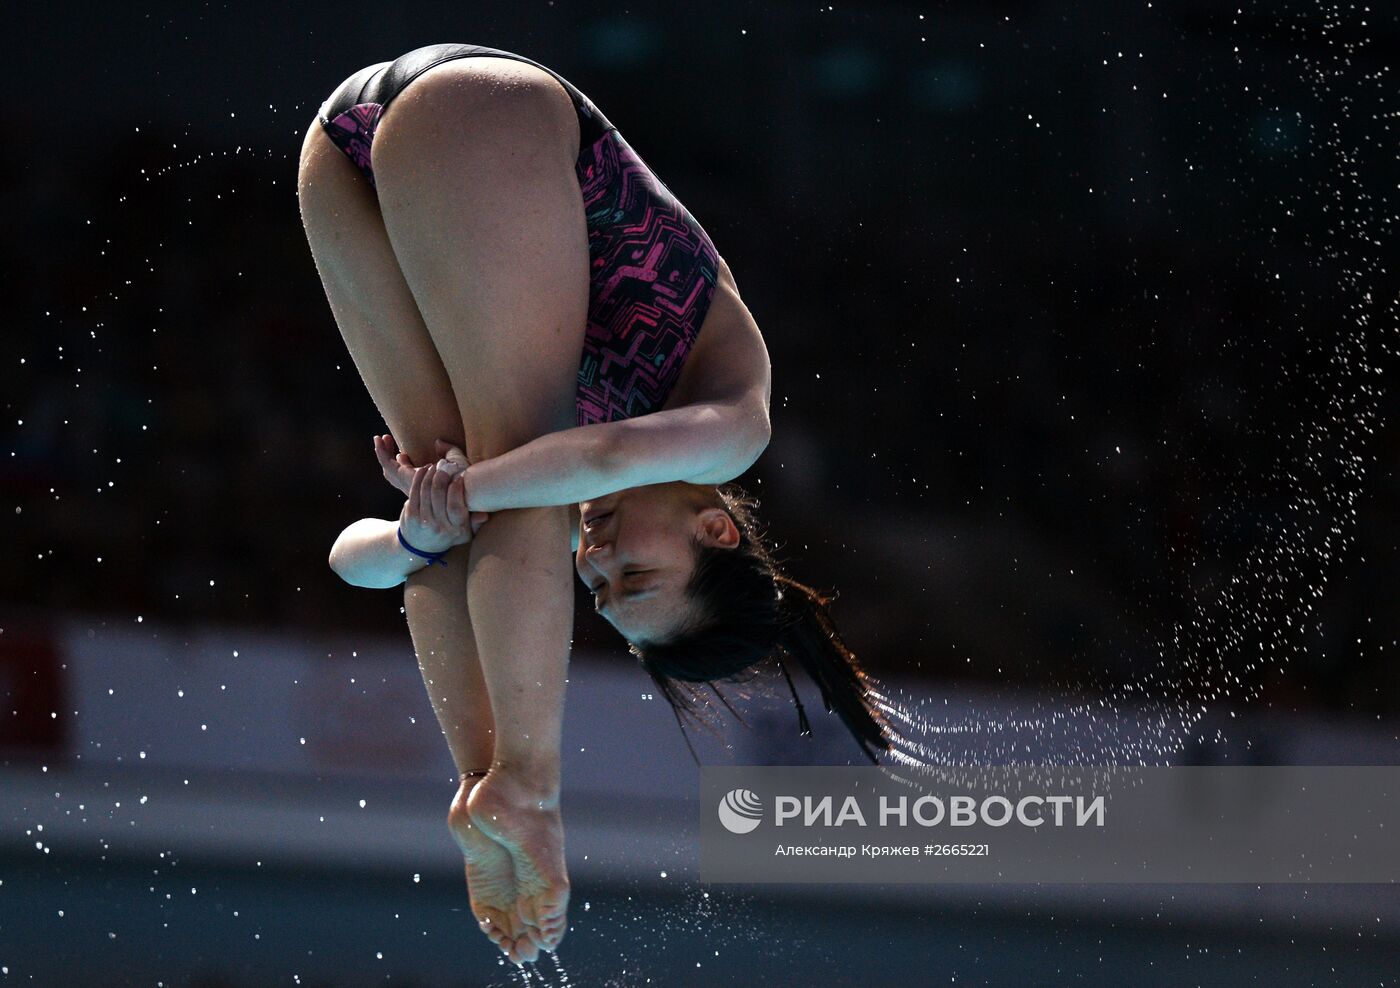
x,y
431,557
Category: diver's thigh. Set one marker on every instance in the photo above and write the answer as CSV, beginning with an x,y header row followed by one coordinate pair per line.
x,y
372,304
483,208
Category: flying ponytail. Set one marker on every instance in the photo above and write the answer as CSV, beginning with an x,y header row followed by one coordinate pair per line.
x,y
812,639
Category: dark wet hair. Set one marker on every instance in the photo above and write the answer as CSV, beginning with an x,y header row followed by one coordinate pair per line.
x,y
751,614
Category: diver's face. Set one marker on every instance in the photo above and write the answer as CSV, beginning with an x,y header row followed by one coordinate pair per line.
x,y
636,552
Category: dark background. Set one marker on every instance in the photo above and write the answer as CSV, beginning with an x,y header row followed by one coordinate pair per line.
x,y
1082,322
1054,295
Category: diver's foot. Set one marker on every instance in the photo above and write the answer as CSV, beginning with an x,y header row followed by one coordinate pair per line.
x,y
490,881
524,819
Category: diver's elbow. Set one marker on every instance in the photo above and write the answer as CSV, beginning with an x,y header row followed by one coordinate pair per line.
x,y
762,435
336,561
342,565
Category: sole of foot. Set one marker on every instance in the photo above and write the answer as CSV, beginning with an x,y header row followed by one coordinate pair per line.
x,y
491,884
527,824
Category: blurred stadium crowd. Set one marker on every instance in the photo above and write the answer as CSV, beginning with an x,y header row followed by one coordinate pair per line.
x,y
1037,397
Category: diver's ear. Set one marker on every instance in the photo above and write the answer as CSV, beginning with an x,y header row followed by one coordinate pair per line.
x,y
719,528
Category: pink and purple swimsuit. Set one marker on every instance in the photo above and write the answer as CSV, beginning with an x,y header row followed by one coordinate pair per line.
x,y
652,267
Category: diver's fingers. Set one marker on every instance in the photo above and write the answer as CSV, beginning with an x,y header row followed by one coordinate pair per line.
x,y
441,480
457,503
415,492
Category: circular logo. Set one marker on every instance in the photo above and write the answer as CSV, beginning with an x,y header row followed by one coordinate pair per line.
x,y
740,811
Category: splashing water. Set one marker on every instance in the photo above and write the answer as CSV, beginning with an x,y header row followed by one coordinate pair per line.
x,y
1237,617
1254,616
650,942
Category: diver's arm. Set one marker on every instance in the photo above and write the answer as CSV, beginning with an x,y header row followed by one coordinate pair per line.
x,y
368,554
703,443
434,519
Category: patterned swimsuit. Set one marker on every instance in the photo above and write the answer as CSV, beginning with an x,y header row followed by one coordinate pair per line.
x,y
652,268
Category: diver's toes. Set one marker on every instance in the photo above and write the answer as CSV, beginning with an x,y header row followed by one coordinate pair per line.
x,y
522,950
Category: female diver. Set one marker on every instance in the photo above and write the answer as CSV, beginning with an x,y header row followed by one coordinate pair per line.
x,y
513,281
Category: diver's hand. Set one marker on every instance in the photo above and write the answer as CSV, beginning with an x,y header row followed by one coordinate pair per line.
x,y
435,516
450,457
399,469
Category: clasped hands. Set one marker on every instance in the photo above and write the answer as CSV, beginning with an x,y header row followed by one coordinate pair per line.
x,y
435,516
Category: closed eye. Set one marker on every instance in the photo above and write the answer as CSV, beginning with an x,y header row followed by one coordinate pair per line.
x,y
624,594
625,574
